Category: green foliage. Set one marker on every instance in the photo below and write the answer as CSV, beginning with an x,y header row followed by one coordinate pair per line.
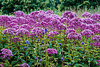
x,y
9,6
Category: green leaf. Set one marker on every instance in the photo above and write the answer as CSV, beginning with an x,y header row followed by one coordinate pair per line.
x,y
6,61
13,62
17,65
30,63
78,65
23,61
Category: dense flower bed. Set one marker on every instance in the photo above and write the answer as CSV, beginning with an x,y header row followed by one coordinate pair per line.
x,y
45,39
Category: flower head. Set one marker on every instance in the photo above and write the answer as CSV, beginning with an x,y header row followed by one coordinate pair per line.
x,y
87,33
37,39
86,14
27,42
36,58
96,37
62,58
40,60
98,62
69,14
69,31
51,51
52,33
82,43
6,53
22,32
60,43
74,35
69,64
9,31
24,65
1,65
46,30
25,47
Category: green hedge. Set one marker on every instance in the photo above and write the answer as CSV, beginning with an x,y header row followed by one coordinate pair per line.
x,y
9,6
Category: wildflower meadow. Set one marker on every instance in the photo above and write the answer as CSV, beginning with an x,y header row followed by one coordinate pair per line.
x,y
44,39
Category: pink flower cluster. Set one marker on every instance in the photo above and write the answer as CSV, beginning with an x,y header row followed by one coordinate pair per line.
x,y
25,26
97,39
51,51
4,20
96,17
5,53
34,23
86,14
75,23
37,31
9,31
1,65
87,33
98,62
22,31
20,14
89,21
74,35
24,65
69,31
69,14
52,33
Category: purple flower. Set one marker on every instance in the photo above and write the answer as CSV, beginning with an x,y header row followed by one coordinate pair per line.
x,y
37,39
62,58
95,44
25,26
46,30
25,47
74,35
96,37
36,36
9,31
6,53
69,14
12,24
86,14
60,44
42,42
51,51
37,31
19,14
1,65
40,60
69,64
98,62
24,65
89,21
97,25
83,26
49,12
69,31
52,33
96,17
27,42
36,58
75,23
61,27
82,43
22,32
22,20
87,33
